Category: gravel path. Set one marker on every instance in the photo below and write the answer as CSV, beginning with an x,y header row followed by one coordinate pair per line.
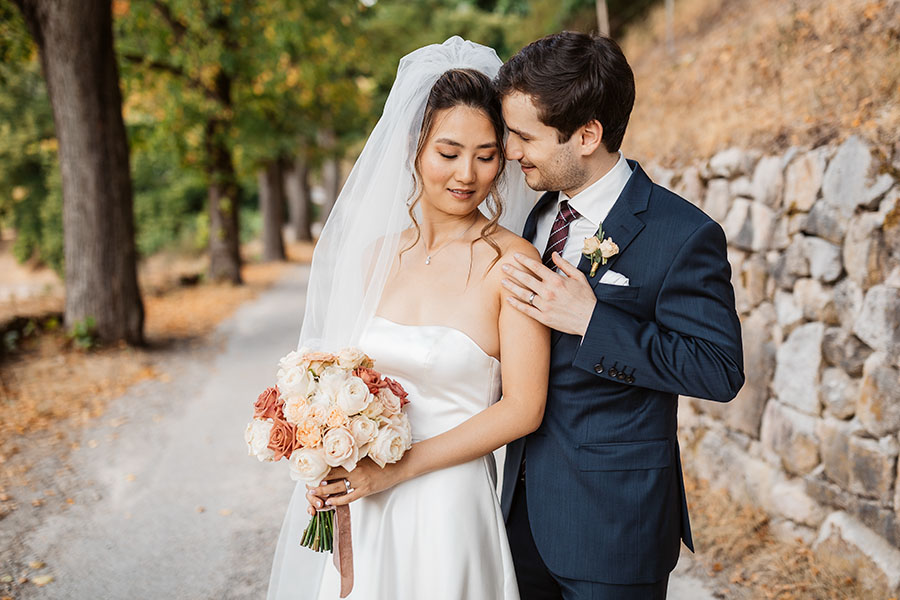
x,y
165,502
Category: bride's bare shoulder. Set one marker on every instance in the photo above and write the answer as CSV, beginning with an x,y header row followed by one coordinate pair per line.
x,y
511,243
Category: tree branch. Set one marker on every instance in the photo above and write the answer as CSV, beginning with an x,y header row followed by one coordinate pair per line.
x,y
159,65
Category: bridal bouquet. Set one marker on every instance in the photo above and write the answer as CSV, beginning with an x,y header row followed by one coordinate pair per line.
x,y
328,410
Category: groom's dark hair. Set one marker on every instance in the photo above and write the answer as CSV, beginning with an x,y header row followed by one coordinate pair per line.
x,y
574,78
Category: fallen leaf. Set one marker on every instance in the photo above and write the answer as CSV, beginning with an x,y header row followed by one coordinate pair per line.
x,y
6,578
70,501
37,564
130,477
92,443
37,502
717,567
201,509
225,512
42,580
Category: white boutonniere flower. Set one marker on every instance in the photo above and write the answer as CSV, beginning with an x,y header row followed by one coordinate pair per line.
x,y
599,250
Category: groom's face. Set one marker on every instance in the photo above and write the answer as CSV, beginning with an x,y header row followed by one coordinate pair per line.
x,y
548,164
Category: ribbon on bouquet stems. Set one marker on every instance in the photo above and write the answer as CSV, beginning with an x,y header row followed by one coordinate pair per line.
x,y
343,548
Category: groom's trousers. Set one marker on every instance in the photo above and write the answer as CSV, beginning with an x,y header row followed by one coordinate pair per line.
x,y
536,582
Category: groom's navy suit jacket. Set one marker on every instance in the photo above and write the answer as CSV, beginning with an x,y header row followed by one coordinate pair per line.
x,y
603,478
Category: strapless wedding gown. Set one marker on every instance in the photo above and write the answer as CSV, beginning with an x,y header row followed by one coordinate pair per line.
x,y
439,536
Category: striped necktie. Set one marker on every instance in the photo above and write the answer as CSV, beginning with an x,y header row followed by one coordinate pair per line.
x,y
559,233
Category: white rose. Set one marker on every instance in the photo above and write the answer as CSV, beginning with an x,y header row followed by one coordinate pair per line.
x,y
290,360
257,437
340,448
390,401
350,358
332,380
374,408
308,465
353,395
364,430
401,421
389,446
321,398
295,382
295,409
608,248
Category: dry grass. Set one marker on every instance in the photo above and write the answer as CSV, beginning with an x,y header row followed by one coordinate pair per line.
x,y
735,544
48,385
765,74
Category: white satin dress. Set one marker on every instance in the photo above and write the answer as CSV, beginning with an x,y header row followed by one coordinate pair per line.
x,y
440,536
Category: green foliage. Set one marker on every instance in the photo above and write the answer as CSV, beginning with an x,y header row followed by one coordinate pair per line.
x,y
83,334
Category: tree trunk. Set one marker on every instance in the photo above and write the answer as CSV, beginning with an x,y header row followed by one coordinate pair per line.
x,y
602,18
331,171
296,187
224,201
271,205
670,26
79,63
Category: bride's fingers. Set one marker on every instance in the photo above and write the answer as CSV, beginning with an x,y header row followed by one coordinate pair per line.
x,y
523,278
331,488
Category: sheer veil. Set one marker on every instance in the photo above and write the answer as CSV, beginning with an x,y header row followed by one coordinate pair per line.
x,y
355,251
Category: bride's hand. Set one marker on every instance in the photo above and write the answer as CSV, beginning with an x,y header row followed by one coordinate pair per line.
x,y
366,479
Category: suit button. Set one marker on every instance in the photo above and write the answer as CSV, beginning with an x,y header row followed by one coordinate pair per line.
x,y
613,372
598,369
629,379
620,376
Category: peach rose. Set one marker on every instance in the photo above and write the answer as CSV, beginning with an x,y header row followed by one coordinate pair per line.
x,y
390,401
268,405
608,248
309,433
335,417
398,390
374,408
317,361
591,245
295,409
282,438
351,358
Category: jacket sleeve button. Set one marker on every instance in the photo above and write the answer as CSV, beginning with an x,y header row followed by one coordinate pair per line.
x,y
598,369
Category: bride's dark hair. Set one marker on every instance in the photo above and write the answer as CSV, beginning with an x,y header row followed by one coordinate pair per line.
x,y
464,87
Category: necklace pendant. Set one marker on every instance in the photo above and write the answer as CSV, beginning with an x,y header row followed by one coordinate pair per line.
x,y
428,260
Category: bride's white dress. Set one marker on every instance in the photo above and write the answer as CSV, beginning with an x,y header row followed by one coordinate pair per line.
x,y
440,536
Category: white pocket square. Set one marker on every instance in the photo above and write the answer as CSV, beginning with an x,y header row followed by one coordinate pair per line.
x,y
613,278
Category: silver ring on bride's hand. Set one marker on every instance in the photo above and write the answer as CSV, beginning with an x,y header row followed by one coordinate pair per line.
x,y
347,487
531,298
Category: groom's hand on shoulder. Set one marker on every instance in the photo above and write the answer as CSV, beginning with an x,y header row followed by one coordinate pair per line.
x,y
562,301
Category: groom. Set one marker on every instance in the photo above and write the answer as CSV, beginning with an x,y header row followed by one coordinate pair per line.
x,y
594,499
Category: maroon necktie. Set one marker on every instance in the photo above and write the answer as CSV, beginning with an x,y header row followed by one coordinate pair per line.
x,y
559,233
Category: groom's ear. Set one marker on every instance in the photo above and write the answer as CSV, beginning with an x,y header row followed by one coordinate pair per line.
x,y
590,137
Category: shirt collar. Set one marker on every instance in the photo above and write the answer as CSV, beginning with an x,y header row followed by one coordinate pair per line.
x,y
595,201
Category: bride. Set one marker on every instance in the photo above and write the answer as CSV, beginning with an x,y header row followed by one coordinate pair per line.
x,y
409,269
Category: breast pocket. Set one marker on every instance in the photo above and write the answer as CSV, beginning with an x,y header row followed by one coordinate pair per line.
x,y
606,291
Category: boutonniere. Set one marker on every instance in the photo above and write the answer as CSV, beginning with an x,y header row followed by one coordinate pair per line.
x,y
599,250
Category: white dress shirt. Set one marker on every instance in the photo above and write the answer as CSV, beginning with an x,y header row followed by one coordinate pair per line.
x,y
593,204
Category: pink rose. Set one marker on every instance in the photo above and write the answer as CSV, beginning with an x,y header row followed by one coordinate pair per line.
x,y
371,378
282,438
309,433
268,405
398,390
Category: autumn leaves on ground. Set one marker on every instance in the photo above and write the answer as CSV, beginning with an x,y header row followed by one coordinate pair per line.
x,y
49,384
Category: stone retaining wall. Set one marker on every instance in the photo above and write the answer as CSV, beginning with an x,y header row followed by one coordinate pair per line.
x,y
814,245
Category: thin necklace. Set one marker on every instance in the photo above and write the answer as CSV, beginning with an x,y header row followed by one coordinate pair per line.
x,y
428,257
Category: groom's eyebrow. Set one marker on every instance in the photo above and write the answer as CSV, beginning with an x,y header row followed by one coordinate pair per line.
x,y
450,142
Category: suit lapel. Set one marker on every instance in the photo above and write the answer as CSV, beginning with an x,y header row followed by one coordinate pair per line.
x,y
621,224
530,229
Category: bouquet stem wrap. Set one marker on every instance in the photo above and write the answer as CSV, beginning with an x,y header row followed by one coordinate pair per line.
x,y
343,548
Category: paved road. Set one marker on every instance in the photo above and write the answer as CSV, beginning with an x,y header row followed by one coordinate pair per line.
x,y
167,504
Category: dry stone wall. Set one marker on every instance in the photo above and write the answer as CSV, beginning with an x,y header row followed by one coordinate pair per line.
x,y
814,246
